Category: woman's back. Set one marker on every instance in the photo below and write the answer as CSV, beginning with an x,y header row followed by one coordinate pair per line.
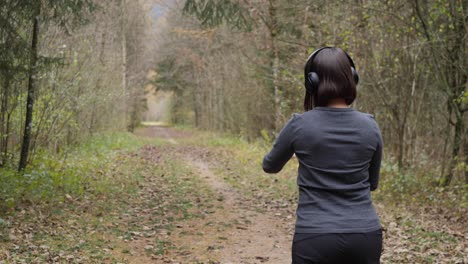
x,y
335,148
339,152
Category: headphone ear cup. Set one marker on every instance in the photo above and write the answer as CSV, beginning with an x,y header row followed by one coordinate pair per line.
x,y
355,75
314,81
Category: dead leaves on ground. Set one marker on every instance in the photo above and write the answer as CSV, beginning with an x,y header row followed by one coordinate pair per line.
x,y
137,226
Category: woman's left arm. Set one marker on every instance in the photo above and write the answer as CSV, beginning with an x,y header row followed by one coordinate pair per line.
x,y
282,149
374,169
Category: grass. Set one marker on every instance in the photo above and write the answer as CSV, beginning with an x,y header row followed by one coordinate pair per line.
x,y
77,171
241,167
73,196
417,189
240,164
89,203
404,196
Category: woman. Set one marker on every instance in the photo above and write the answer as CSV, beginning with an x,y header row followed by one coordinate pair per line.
x,y
339,151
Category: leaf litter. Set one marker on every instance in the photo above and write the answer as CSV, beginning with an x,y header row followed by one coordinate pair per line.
x,y
191,203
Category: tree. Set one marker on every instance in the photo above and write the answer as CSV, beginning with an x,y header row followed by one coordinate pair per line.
x,y
13,57
31,89
72,83
411,55
56,10
444,26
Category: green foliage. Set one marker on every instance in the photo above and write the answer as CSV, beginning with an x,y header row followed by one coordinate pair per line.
x,y
3,230
416,187
266,136
223,141
213,13
171,76
412,187
239,163
462,99
176,78
410,56
77,171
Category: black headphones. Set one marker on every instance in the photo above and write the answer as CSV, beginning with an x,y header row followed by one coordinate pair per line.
x,y
313,79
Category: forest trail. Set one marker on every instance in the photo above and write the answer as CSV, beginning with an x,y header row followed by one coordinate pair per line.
x,y
239,229
234,232
254,237
180,196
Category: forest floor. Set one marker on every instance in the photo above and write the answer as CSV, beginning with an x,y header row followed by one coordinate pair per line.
x,y
194,198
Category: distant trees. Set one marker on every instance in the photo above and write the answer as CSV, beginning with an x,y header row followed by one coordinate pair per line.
x,y
60,63
239,64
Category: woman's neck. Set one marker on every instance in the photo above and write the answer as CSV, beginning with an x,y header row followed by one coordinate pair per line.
x,y
337,103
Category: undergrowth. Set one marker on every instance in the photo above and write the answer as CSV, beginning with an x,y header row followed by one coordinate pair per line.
x,y
401,199
99,198
74,172
418,188
105,194
413,187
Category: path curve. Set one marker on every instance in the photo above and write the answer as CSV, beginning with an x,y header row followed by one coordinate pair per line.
x,y
250,236
261,239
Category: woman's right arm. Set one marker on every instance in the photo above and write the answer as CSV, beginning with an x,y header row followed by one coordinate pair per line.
x,y
282,149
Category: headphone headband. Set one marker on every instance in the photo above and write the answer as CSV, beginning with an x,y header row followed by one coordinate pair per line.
x,y
312,78
315,52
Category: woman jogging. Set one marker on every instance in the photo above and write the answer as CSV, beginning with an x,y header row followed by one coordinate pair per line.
x,y
339,151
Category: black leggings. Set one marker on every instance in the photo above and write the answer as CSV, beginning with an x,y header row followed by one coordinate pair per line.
x,y
358,248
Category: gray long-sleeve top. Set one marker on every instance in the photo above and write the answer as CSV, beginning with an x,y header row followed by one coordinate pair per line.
x,y
339,152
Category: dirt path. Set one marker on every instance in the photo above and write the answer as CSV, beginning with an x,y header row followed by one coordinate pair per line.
x,y
241,230
258,237
174,202
234,231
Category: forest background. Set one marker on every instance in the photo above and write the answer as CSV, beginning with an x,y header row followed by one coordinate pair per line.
x,y
73,70
70,69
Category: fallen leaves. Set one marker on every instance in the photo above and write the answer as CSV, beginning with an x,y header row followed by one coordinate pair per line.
x,y
164,212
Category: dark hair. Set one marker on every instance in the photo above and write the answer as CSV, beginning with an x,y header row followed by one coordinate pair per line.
x,y
333,68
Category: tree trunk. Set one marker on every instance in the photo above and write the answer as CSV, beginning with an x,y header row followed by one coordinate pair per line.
x,y
30,100
273,28
401,146
446,142
4,121
457,79
465,152
196,98
7,138
92,123
123,44
447,179
132,123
